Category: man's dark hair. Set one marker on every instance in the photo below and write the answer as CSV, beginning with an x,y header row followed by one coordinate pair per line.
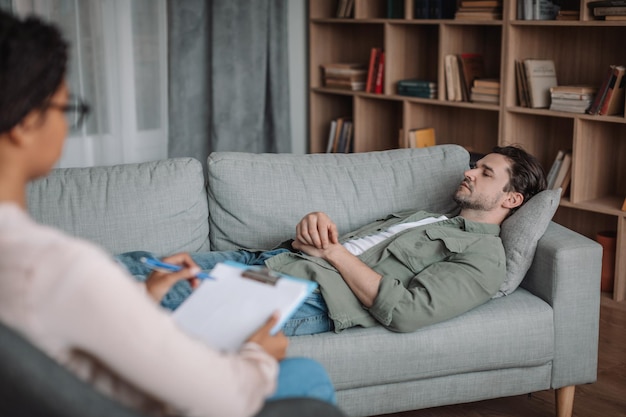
x,y
527,174
33,60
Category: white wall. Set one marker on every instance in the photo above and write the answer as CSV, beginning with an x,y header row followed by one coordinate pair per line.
x,y
297,75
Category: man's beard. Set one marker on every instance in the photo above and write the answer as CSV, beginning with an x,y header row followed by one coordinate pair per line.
x,y
472,202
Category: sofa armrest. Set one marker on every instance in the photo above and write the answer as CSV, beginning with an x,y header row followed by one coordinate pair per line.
x,y
566,274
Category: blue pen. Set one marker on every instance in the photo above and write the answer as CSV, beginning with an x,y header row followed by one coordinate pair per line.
x,y
157,265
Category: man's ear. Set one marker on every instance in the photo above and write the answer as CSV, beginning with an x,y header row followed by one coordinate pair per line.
x,y
514,199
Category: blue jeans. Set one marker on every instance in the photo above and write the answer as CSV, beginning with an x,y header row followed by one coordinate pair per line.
x,y
310,318
302,377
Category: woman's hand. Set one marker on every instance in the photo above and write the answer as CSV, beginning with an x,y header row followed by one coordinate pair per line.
x,y
275,345
159,283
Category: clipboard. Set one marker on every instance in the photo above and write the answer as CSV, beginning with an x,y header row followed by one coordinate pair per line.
x,y
226,310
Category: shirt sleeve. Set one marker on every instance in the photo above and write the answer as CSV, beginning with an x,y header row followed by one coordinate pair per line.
x,y
100,310
441,291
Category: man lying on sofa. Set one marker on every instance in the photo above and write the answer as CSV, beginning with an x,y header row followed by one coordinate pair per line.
x,y
405,271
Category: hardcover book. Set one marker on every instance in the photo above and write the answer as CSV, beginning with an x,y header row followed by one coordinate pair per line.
x,y
613,102
541,76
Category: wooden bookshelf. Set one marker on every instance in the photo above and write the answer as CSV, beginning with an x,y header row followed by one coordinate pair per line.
x,y
415,48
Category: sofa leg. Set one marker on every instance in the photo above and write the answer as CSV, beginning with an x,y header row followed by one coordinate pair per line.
x,y
565,401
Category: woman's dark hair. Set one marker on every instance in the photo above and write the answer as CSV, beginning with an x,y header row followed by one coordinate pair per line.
x,y
33,60
527,174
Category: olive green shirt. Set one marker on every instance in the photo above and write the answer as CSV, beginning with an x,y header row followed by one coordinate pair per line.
x,y
429,273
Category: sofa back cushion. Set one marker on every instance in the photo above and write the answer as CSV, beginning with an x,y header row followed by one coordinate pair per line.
x,y
157,206
255,200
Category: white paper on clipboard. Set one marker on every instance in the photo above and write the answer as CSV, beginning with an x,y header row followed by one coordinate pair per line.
x,y
226,310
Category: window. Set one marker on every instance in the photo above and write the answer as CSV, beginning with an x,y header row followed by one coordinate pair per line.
x,y
118,64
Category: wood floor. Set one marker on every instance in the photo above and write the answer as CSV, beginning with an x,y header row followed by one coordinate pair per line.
x,y
605,398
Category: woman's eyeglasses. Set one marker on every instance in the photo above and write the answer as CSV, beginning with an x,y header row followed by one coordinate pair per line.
x,y
75,111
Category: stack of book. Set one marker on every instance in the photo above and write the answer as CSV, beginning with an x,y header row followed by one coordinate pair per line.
x,y
348,76
571,98
485,90
560,173
534,78
417,88
340,135
609,99
608,10
479,10
375,72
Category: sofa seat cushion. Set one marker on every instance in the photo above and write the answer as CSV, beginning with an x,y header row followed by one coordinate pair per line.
x,y
255,200
509,332
156,206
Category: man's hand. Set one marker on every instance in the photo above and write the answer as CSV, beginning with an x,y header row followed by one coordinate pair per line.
x,y
317,230
159,283
275,345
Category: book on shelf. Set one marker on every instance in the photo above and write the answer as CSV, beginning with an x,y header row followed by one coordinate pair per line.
x,y
613,102
472,66
577,90
380,74
345,8
422,138
417,88
453,80
520,82
375,72
395,9
540,76
606,91
484,98
568,15
597,101
434,9
609,11
340,135
554,169
372,68
560,171
537,9
481,3
331,136
624,205
564,173
441,9
493,83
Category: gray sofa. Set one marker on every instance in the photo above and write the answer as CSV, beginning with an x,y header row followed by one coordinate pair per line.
x,y
543,335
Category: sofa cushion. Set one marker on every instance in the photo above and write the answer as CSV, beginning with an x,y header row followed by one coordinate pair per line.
x,y
510,332
155,206
520,234
255,200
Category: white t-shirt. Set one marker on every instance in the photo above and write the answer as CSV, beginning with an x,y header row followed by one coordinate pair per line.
x,y
358,246
69,298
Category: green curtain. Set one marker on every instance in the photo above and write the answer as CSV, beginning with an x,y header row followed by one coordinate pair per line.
x,y
228,88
